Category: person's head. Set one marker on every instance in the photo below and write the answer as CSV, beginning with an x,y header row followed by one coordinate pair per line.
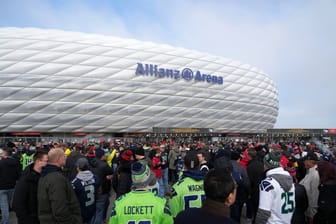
x,y
310,159
327,171
235,155
158,152
139,153
191,161
272,160
201,156
40,160
5,152
251,153
162,148
127,156
141,175
82,164
56,157
100,154
220,186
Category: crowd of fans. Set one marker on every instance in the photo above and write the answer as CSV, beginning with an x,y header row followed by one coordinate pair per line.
x,y
287,182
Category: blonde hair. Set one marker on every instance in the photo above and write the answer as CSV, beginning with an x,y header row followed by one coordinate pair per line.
x,y
54,154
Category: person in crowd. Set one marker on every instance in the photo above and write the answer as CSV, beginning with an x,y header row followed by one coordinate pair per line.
x,y
164,167
104,173
277,192
255,172
326,211
311,182
172,157
86,185
157,170
220,194
27,157
242,191
141,205
10,171
124,172
25,194
70,163
204,166
57,201
301,204
188,192
139,154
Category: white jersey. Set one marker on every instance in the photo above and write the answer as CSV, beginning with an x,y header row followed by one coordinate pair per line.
x,y
154,188
275,199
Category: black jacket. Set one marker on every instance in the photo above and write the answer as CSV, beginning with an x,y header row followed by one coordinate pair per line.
x,y
10,171
301,204
25,197
211,212
255,171
57,201
102,169
326,211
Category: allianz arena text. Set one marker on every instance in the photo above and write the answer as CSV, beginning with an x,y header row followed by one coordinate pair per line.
x,y
57,81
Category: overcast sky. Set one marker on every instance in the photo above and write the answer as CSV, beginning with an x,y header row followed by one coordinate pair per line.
x,y
294,42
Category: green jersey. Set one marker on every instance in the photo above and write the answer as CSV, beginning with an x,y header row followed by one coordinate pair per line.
x,y
141,207
26,160
186,193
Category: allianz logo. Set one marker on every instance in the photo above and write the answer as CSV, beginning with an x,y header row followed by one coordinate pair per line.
x,y
186,74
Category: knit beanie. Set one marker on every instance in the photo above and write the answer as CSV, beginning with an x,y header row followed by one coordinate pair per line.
x,y
272,159
140,151
141,174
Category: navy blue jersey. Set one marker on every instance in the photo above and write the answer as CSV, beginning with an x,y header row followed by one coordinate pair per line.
x,y
86,186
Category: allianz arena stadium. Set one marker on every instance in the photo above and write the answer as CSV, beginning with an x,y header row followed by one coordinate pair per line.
x,y
54,81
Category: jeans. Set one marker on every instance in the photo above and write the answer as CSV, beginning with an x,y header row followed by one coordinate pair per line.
x,y
165,180
161,187
5,198
100,208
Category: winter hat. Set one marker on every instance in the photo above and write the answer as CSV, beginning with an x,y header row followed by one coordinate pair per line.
x,y
140,151
272,159
127,155
141,174
100,153
82,164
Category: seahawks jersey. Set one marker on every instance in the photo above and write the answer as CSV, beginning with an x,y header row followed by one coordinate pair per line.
x,y
275,199
86,186
26,160
186,193
140,207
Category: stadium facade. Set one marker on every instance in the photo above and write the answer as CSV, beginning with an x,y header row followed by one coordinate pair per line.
x,y
54,81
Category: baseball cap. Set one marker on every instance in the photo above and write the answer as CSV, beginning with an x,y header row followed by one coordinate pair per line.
x,y
310,156
82,164
272,159
141,174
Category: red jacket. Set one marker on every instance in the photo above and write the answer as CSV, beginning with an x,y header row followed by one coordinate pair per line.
x,y
156,167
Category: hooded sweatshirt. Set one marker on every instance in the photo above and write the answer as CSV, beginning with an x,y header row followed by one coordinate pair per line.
x,y
277,197
86,186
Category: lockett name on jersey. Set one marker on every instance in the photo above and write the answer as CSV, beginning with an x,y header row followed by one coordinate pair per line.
x,y
138,210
